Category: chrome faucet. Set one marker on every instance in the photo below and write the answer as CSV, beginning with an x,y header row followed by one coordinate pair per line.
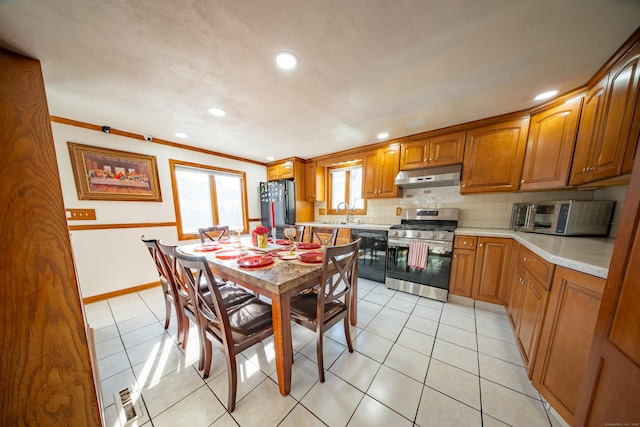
x,y
346,210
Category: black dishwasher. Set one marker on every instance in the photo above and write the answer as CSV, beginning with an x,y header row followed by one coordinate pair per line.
x,y
372,263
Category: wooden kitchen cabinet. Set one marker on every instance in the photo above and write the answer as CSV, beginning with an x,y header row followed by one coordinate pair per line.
x,y
552,137
380,168
528,301
440,150
462,266
609,124
314,182
281,170
566,338
491,269
493,157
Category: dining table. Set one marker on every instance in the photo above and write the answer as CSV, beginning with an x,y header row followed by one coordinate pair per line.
x,y
279,280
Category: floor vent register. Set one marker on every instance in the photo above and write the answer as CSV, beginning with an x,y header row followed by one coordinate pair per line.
x,y
128,408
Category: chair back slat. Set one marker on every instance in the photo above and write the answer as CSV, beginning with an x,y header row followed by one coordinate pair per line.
x,y
213,234
213,309
326,236
173,271
338,272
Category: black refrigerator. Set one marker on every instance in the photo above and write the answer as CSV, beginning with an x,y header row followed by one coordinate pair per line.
x,y
278,197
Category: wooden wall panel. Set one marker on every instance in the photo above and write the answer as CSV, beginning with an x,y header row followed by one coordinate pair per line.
x,y
44,357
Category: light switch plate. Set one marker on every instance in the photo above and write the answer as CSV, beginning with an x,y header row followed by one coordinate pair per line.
x,y
80,214
398,211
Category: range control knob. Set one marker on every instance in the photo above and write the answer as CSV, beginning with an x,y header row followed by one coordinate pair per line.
x,y
418,234
395,233
443,235
433,235
404,233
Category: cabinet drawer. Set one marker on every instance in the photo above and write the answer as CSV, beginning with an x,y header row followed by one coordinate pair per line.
x,y
465,242
539,268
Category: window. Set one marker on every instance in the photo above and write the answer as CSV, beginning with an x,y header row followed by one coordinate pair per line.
x,y
206,196
345,185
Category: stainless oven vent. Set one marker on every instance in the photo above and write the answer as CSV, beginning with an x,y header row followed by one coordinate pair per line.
x,y
440,176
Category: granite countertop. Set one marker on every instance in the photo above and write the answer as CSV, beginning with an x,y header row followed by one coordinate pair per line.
x,y
351,225
590,255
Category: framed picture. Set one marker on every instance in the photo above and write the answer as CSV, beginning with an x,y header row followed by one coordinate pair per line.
x,y
105,174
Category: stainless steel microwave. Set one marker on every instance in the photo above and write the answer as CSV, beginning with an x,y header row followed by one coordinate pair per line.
x,y
564,218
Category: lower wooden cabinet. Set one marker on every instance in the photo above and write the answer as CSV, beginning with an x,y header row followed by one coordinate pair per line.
x,y
462,267
565,339
491,269
527,302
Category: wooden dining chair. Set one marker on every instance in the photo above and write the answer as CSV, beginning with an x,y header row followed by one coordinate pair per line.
x,y
329,302
185,310
213,234
169,294
326,236
233,328
299,232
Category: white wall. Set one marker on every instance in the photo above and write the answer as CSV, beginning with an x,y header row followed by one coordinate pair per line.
x,y
115,259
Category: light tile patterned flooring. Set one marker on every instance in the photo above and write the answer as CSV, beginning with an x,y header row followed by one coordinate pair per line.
x,y
417,362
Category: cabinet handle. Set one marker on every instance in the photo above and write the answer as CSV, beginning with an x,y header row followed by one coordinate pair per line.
x,y
430,159
481,244
523,181
455,256
464,243
591,169
463,185
524,259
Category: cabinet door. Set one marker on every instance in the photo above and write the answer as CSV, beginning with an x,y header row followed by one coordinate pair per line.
x,y
552,136
369,175
314,182
273,172
286,170
388,168
447,149
622,96
414,155
462,267
566,338
587,134
493,157
514,301
533,305
492,269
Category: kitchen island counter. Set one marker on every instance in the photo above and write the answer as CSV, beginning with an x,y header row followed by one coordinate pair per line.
x,y
350,225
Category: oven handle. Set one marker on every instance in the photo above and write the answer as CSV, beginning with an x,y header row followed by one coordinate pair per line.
x,y
404,243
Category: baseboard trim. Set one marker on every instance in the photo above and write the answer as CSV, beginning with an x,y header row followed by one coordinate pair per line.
x,y
120,292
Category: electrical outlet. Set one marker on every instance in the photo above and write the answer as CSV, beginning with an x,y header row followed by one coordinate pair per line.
x,y
322,211
80,214
398,211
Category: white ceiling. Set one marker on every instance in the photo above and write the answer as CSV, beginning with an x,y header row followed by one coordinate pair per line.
x,y
366,66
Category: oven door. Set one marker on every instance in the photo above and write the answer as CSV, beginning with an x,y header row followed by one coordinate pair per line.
x,y
410,279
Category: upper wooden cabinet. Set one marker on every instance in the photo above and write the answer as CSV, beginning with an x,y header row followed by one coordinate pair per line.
x,y
493,157
281,170
607,126
380,168
314,182
439,150
552,136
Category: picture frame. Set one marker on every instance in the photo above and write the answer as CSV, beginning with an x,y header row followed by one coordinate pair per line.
x,y
106,174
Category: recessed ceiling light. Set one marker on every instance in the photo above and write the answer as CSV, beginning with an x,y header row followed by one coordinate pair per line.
x,y
546,95
383,135
217,111
270,158
182,135
286,60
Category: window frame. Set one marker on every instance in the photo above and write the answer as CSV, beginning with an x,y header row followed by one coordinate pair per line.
x,y
350,165
212,187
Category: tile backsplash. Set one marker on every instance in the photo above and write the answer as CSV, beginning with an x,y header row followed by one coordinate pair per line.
x,y
477,210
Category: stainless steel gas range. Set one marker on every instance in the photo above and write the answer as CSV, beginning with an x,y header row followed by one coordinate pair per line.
x,y
425,273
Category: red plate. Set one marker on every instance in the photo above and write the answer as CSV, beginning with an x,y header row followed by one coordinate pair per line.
x,y
228,254
308,245
311,257
279,241
206,248
255,261
228,242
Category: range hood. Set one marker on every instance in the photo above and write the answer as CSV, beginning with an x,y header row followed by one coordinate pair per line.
x,y
440,176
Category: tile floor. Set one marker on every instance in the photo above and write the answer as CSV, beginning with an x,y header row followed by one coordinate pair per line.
x,y
417,362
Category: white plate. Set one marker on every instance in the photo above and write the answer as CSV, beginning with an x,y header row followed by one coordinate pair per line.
x,y
294,256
